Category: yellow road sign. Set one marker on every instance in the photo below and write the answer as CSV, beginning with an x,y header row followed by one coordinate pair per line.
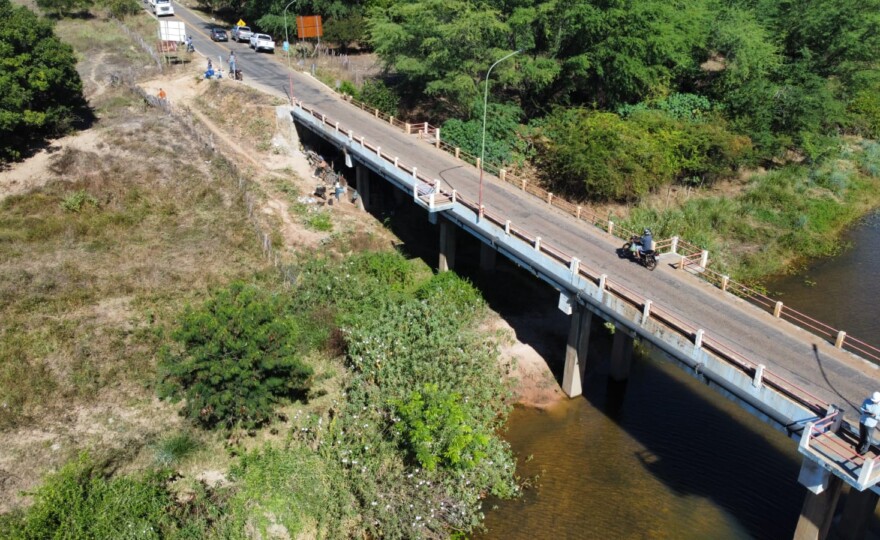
x,y
240,23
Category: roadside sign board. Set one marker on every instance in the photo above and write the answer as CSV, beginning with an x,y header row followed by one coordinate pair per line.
x,y
241,23
309,26
172,31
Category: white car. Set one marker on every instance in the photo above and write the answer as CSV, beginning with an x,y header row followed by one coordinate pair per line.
x,y
262,42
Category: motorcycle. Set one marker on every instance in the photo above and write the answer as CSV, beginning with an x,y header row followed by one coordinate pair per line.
x,y
647,258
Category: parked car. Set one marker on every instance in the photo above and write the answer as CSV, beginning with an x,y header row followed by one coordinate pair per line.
x,y
262,42
219,34
241,33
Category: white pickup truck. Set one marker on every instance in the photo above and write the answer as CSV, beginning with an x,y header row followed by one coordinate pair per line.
x,y
262,42
161,7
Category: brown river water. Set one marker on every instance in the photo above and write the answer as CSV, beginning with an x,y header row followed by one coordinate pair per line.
x,y
663,456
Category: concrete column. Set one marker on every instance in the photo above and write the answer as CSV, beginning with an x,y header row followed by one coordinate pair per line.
x,y
621,356
487,257
447,246
362,179
858,509
576,352
823,491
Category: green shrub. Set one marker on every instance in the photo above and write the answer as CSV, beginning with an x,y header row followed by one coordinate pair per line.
x,y
319,221
172,449
238,356
75,201
348,87
378,95
437,429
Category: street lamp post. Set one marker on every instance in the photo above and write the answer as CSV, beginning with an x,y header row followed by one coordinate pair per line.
x,y
483,144
289,72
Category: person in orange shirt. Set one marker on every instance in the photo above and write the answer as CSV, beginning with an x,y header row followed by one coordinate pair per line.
x,y
162,94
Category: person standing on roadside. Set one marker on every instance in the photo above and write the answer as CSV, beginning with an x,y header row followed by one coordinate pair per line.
x,y
162,95
868,421
232,64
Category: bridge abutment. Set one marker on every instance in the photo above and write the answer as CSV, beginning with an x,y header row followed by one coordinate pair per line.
x,y
447,245
621,355
576,352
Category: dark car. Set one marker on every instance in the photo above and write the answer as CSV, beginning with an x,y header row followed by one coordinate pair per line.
x,y
219,34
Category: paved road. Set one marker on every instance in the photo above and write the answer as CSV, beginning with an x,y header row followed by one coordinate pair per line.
x,y
828,373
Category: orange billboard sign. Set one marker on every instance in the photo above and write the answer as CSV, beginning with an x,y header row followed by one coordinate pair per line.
x,y
309,26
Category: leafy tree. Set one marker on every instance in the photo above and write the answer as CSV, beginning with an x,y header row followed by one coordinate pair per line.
x,y
237,358
345,30
121,9
40,90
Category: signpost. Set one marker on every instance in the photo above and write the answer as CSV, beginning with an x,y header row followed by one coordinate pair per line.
x,y
171,34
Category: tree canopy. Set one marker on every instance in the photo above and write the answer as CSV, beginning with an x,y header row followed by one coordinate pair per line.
x,y
40,89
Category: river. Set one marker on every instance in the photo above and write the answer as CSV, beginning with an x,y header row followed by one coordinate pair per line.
x,y
663,456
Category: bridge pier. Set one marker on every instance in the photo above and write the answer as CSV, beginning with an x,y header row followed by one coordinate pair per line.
x,y
621,355
447,245
823,491
362,181
576,352
857,510
488,255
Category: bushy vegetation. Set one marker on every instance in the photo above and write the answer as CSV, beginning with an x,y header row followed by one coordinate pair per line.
x,y
791,213
239,355
40,89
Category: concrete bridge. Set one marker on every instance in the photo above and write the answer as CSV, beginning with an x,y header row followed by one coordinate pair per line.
x,y
789,377
805,384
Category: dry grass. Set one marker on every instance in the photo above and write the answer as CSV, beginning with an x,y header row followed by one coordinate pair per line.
x,y
89,291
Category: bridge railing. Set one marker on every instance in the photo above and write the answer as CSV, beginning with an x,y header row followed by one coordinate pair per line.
x,y
651,311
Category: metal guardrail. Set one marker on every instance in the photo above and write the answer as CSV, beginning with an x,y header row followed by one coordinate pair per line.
x,y
651,310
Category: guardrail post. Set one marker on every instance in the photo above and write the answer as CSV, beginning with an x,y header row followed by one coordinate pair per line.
x,y
414,173
674,247
578,215
602,279
454,196
379,151
337,127
841,336
395,162
350,135
725,280
549,198
479,162
698,339
646,312
610,227
376,113
431,201
362,141
415,191
323,119
682,262
407,127
523,184
437,139
777,309
537,243
704,259
391,120
457,152
758,379
574,266
507,227
482,209
502,174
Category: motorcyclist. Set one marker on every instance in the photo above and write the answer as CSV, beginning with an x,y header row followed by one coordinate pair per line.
x,y
189,44
645,243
